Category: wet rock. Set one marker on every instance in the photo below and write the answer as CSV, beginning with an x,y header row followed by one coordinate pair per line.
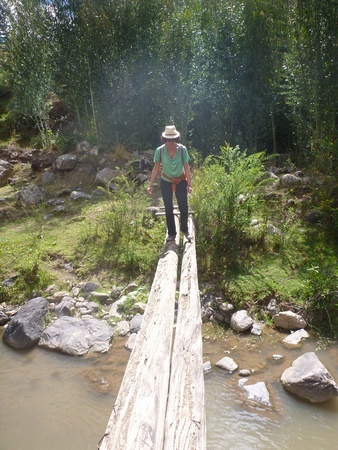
x,y
25,328
241,321
257,392
207,367
227,364
294,339
308,378
256,329
289,320
244,373
77,336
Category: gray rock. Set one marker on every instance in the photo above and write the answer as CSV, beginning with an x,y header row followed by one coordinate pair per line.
x,y
77,336
47,177
241,321
308,378
122,328
256,329
272,307
66,162
227,364
64,308
226,309
32,195
289,180
289,320
129,345
105,176
76,195
207,367
135,323
6,171
3,319
25,328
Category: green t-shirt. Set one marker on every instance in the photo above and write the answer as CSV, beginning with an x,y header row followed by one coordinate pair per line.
x,y
173,168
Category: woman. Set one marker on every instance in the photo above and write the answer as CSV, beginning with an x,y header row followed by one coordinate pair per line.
x,y
175,177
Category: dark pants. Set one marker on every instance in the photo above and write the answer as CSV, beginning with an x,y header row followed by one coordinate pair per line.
x,y
182,202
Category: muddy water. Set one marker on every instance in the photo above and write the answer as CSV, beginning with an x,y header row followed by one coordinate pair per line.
x,y
57,402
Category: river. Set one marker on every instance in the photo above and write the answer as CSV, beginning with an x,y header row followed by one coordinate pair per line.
x,y
57,402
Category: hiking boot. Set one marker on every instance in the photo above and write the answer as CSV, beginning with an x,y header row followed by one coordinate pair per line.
x,y
171,238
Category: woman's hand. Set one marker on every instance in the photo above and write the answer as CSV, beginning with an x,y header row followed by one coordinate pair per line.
x,y
150,190
189,189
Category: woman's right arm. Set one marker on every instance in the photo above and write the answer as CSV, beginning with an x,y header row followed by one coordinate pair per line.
x,y
153,177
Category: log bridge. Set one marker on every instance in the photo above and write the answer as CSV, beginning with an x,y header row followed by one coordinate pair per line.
x,y
160,404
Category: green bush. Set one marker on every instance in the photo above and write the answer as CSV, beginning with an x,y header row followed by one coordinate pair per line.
x,y
226,198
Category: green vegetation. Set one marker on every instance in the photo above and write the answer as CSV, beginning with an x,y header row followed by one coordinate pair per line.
x,y
109,240
261,75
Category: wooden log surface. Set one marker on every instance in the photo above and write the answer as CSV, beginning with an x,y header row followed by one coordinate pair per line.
x,y
138,417
185,419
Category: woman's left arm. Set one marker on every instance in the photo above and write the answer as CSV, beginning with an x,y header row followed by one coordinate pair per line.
x,y
188,175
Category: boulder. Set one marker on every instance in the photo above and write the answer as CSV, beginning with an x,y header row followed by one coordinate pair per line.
x,y
257,392
294,339
66,162
129,345
32,195
25,328
77,336
308,378
241,321
135,323
227,364
289,320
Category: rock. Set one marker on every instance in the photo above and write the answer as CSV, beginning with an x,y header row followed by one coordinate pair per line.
x,y
294,339
77,336
244,373
64,308
105,176
76,195
226,309
129,345
227,364
6,171
289,320
42,162
314,216
257,392
66,162
122,328
32,195
308,378
272,307
256,329
289,180
241,321
3,319
88,287
25,328
100,297
207,367
135,323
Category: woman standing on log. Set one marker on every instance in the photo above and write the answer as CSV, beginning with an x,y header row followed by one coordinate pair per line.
x,y
175,177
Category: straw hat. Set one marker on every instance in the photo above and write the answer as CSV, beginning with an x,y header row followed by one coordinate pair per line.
x,y
170,132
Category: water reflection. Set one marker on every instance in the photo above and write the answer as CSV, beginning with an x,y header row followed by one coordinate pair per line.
x,y
58,402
